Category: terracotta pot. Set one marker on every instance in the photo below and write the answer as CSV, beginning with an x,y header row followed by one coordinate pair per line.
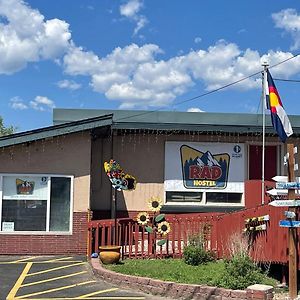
x,y
109,254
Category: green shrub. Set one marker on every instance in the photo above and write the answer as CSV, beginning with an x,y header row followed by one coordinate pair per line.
x,y
240,272
196,255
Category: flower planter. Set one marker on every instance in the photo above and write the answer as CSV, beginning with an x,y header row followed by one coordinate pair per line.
x,y
109,254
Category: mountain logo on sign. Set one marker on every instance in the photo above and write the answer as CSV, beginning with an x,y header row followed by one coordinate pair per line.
x,y
204,169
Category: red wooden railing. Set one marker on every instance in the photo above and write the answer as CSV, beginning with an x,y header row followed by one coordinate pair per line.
x,y
269,246
137,242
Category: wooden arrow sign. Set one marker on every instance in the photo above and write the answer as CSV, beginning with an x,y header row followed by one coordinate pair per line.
x,y
275,192
288,185
289,223
281,203
257,219
256,228
289,214
280,178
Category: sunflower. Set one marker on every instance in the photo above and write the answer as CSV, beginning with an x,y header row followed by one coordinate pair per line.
x,y
164,228
142,218
155,203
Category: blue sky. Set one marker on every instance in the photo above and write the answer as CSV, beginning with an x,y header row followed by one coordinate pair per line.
x,y
143,54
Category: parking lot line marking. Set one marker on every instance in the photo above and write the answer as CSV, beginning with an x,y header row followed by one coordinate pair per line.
x,y
54,290
58,259
52,279
54,269
19,282
97,293
22,260
38,262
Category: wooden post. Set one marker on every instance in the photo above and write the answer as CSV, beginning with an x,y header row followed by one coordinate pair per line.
x,y
115,216
293,255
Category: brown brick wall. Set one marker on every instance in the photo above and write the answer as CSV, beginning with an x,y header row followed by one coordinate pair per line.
x,y
49,244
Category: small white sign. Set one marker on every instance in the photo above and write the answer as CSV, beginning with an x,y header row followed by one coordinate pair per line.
x,y
279,178
8,226
288,185
279,203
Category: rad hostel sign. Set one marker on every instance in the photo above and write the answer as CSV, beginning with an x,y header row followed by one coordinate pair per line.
x,y
191,166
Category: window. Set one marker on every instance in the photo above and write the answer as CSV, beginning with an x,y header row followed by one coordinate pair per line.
x,y
184,197
203,198
223,197
35,203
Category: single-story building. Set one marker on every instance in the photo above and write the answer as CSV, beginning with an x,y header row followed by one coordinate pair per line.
x,y
52,180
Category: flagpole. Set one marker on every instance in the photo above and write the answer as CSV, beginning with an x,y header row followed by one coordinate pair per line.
x,y
264,79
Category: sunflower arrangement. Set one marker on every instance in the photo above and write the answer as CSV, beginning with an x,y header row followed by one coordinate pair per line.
x,y
164,228
143,218
155,204
156,224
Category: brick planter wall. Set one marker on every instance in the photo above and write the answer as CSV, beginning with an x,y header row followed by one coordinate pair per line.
x,y
48,244
180,291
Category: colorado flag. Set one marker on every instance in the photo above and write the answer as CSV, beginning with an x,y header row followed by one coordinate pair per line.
x,y
280,120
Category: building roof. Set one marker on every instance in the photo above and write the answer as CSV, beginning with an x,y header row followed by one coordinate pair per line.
x,y
55,130
75,120
170,120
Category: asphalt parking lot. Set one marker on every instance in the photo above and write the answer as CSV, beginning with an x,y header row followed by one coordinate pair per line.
x,y
49,277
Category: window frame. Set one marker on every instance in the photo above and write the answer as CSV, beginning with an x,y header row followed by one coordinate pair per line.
x,y
47,231
204,202
168,201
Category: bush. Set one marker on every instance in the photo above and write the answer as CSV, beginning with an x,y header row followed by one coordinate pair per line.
x,y
196,255
240,272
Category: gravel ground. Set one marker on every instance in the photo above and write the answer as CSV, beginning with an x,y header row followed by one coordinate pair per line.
x,y
283,296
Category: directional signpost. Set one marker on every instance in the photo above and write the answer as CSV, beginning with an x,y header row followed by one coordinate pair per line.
x,y
288,203
275,192
289,223
280,181
287,185
289,214
283,178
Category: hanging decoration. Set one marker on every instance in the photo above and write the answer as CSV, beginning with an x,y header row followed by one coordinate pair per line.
x,y
256,223
120,181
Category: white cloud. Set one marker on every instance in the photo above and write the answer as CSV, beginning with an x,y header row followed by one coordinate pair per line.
x,y
195,109
289,20
131,10
197,40
26,37
140,23
42,103
69,84
134,76
77,61
17,103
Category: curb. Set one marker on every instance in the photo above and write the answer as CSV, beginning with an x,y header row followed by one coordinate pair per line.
x,y
180,290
